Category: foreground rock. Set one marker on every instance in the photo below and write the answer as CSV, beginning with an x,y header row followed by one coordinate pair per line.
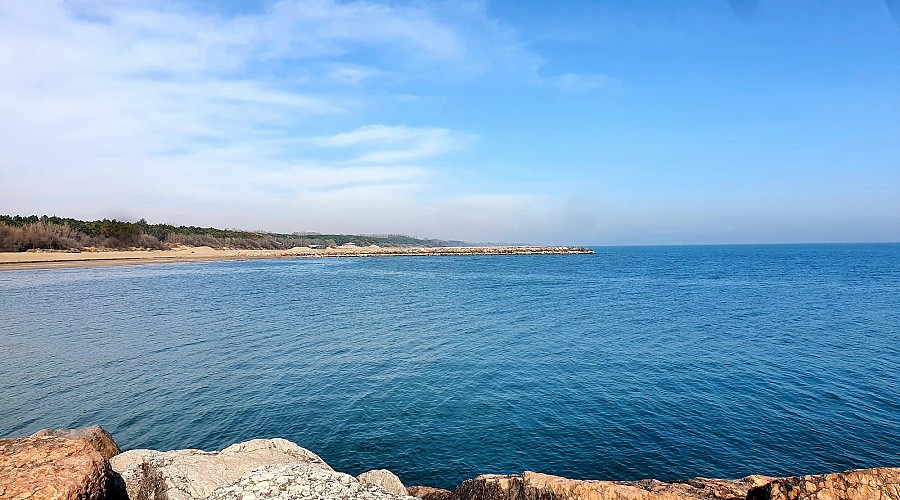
x,y
195,474
94,435
535,486
429,493
301,482
71,465
52,468
862,484
384,479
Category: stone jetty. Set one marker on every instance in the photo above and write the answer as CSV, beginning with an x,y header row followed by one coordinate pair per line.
x,y
85,464
51,258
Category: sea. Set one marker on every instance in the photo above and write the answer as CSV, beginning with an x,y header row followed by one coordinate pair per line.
x,y
663,362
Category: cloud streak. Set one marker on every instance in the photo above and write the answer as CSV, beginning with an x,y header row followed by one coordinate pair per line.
x,y
574,82
251,119
391,144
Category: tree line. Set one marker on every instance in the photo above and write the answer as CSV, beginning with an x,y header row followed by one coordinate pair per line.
x,y
21,233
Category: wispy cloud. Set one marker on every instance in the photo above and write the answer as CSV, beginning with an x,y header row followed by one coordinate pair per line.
x,y
159,110
353,74
390,144
574,82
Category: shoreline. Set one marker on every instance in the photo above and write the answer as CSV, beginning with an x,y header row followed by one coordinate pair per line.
x,y
53,259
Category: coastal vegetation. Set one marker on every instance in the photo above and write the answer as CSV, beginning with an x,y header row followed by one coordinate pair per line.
x,y
22,233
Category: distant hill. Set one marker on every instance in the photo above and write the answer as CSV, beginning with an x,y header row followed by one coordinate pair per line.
x,y
18,234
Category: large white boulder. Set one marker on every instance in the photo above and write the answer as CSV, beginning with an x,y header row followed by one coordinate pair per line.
x,y
195,474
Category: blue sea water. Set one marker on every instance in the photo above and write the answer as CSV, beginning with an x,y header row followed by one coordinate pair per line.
x,y
665,362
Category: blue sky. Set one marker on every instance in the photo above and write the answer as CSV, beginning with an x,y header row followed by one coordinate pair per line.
x,y
577,122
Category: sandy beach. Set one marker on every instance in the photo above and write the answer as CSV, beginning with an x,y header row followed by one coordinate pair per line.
x,y
45,259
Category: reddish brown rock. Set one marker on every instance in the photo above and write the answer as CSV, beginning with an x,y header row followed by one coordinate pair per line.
x,y
535,486
861,484
429,493
52,468
95,435
492,487
699,487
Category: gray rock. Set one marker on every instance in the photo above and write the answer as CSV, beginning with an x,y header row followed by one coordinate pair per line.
x,y
300,482
195,474
385,479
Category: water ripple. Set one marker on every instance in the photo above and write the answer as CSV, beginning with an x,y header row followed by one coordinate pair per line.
x,y
665,362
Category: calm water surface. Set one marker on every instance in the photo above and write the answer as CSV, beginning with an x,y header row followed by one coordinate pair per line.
x,y
666,362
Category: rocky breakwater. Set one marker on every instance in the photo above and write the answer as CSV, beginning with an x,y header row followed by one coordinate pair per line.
x,y
372,251
85,464
536,486
257,469
877,484
863,484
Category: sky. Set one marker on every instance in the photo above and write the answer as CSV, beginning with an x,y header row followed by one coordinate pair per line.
x,y
573,122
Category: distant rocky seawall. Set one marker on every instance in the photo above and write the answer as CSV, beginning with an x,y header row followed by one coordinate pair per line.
x,y
86,464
